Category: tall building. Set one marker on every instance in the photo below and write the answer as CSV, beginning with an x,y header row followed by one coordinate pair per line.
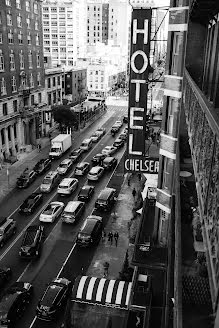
x,y
97,22
61,31
21,75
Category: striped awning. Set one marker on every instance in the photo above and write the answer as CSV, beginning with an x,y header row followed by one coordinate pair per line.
x,y
100,291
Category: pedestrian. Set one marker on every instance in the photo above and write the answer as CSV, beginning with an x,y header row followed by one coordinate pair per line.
x,y
110,237
134,193
106,269
103,235
39,147
116,237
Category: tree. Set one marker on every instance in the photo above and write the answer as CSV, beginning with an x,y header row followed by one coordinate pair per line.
x,y
64,116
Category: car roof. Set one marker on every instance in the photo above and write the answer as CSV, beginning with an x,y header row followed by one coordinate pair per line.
x,y
90,223
96,169
66,161
86,140
66,181
87,187
72,205
51,174
81,164
108,159
50,294
118,140
106,192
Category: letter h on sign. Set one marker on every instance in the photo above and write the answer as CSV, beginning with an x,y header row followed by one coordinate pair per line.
x,y
140,49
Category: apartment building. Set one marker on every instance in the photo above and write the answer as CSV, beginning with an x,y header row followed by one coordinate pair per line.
x,y
21,75
75,84
61,31
97,22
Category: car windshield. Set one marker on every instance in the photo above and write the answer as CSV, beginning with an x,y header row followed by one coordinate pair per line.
x,y
80,168
83,236
63,166
75,152
50,295
46,181
22,179
93,173
63,186
84,191
55,150
48,210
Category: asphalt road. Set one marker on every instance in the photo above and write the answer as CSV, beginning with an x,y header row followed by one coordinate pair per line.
x,y
59,255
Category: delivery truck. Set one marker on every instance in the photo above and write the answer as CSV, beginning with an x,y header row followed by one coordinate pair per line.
x,y
59,145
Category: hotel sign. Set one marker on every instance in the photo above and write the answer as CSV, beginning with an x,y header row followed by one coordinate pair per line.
x,y
138,88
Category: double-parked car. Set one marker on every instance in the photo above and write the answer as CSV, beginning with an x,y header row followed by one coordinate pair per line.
x,y
42,166
31,203
32,242
26,178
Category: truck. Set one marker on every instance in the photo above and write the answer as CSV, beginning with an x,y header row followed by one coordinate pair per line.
x,y
59,145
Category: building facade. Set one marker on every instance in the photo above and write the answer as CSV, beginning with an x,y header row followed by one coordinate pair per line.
x,y
21,75
97,22
75,85
61,32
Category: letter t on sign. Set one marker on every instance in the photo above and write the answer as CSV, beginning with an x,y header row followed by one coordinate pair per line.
x,y
136,31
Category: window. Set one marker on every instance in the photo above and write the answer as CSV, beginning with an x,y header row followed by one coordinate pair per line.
x,y
59,80
27,5
8,2
35,8
28,38
46,23
21,57
5,109
94,8
54,81
54,9
36,25
20,37
2,63
62,9
45,9
32,100
39,97
31,81
30,59
49,98
13,84
9,19
15,106
37,40
1,38
38,59
28,22
19,21
166,172
3,87
38,79
170,116
176,44
49,83
12,62
18,4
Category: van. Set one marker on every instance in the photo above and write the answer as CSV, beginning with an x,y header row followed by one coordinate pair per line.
x,y
91,231
86,144
7,229
106,199
73,211
49,181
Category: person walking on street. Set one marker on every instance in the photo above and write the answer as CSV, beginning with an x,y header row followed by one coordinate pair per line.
x,y
134,193
110,237
116,237
106,269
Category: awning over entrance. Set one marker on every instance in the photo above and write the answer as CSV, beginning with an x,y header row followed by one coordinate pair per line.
x,y
100,291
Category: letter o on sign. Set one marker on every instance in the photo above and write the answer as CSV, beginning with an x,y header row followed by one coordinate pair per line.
x,y
145,58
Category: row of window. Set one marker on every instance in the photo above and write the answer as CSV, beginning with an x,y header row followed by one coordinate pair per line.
x,y
23,83
28,8
54,9
20,22
97,86
52,81
21,60
11,38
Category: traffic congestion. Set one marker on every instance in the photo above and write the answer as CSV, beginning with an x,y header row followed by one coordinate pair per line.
x,y
65,202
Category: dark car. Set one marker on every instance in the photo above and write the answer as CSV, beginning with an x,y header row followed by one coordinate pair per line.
x,y
7,229
42,166
86,193
27,177
125,119
115,129
106,199
91,231
98,159
109,163
5,276
32,242
53,299
14,303
118,143
31,203
75,154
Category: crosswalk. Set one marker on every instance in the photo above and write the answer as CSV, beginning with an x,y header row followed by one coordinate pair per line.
x,y
118,109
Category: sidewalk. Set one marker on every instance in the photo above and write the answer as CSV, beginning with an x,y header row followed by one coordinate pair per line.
x,y
115,256
29,159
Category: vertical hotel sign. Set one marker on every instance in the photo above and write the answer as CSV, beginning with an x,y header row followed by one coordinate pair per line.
x,y
140,48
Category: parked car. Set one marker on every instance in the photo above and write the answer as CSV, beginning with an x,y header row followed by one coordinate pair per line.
x,y
65,166
75,154
53,299
73,211
82,168
114,129
96,136
14,303
106,199
119,123
109,163
86,193
86,144
7,229
95,173
67,186
101,130
123,135
98,159
51,212
5,276
42,166
26,178
50,181
31,203
32,242
91,231
118,143
109,150
125,119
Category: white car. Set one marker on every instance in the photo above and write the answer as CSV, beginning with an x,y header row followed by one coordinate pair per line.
x,y
82,168
65,166
95,173
51,212
119,123
109,150
67,186
102,131
95,137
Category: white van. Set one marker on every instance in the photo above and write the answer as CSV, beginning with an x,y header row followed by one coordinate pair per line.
x,y
86,144
73,211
